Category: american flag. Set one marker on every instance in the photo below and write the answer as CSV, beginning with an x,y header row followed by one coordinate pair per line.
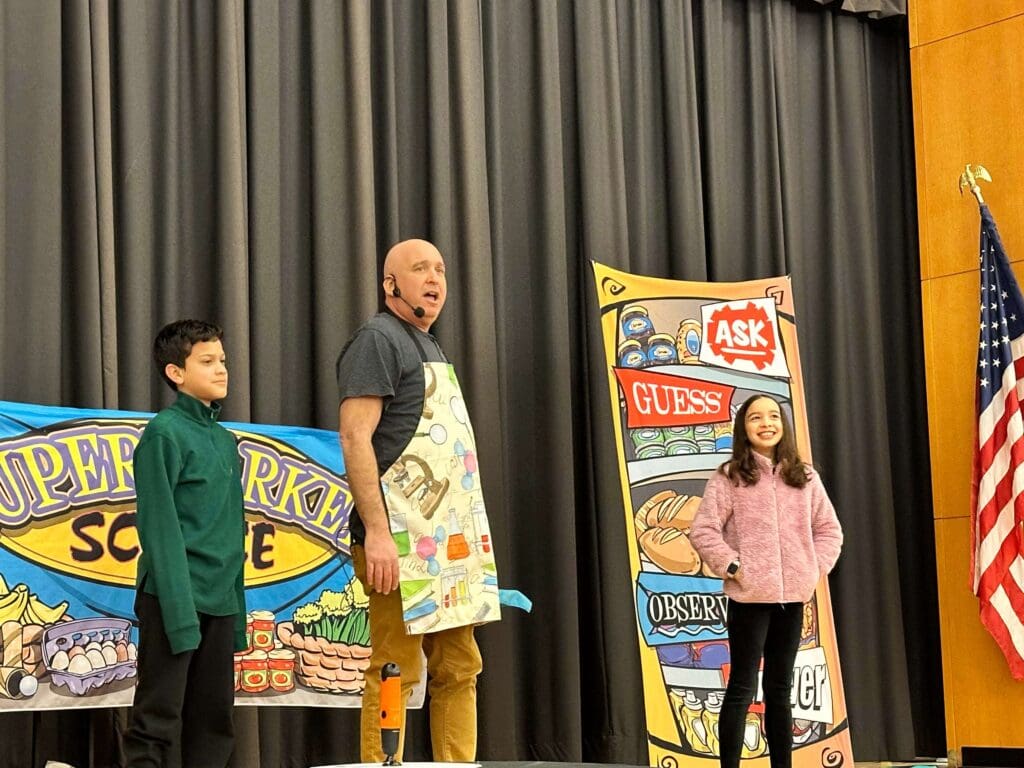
x,y
997,543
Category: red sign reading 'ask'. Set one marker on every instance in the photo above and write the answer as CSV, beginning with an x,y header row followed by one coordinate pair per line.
x,y
661,400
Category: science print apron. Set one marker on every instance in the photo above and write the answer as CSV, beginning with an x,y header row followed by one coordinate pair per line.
x,y
436,512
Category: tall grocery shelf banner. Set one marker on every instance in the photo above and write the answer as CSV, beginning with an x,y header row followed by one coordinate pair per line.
x,y
682,357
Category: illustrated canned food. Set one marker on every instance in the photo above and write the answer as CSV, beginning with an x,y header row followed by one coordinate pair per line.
x,y
688,341
248,632
255,675
238,670
262,631
635,323
704,434
281,666
16,683
661,350
679,441
723,437
648,442
632,354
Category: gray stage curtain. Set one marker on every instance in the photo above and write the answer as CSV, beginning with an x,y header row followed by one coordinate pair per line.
x,y
875,9
250,162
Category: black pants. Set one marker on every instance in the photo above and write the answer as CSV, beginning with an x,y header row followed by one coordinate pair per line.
x,y
184,703
756,629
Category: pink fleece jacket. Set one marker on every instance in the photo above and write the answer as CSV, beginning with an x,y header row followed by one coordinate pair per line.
x,y
785,538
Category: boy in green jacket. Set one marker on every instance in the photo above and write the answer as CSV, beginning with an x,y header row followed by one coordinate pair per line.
x,y
190,600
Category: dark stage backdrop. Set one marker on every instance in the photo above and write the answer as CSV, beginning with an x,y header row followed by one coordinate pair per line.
x,y
250,162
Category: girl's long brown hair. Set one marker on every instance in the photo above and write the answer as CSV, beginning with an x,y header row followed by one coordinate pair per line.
x,y
743,467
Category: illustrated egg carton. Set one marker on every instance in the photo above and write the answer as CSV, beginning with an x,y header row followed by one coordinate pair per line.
x,y
65,635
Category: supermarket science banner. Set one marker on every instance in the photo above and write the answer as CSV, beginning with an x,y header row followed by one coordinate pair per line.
x,y
682,357
68,551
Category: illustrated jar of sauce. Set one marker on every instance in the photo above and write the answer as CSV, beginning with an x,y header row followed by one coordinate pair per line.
x,y
238,671
281,664
255,676
248,633
262,631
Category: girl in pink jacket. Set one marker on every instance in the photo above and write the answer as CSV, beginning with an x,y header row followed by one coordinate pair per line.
x,y
767,527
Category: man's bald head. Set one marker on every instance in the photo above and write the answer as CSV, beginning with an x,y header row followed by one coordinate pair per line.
x,y
408,250
414,278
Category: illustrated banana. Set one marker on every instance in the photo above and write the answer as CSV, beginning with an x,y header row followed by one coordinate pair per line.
x,y
12,605
25,607
38,612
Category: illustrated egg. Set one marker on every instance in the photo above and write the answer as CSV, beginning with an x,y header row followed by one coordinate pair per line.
x,y
76,650
121,651
60,661
133,652
109,655
93,646
96,659
79,665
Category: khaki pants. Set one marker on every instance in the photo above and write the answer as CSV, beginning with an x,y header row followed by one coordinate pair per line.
x,y
453,663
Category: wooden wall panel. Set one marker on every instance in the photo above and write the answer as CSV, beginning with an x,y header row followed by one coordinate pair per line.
x,y
931,20
950,307
983,702
968,107
967,62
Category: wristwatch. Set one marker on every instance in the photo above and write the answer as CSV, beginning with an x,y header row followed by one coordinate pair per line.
x,y
733,567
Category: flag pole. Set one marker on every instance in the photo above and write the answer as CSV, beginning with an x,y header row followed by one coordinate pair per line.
x,y
969,180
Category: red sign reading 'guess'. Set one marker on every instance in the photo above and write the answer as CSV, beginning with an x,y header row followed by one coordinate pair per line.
x,y
661,400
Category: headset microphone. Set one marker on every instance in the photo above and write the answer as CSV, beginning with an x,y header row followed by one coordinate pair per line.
x,y
397,293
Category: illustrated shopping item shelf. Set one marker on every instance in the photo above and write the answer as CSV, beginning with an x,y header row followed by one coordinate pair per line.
x,y
659,451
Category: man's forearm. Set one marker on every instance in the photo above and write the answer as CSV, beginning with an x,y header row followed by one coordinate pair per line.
x,y
364,483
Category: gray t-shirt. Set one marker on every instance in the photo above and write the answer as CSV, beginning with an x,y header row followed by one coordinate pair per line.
x,y
383,360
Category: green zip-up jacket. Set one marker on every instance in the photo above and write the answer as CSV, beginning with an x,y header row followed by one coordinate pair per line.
x,y
190,520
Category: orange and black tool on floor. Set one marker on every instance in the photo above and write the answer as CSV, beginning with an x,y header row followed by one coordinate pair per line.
x,y
390,711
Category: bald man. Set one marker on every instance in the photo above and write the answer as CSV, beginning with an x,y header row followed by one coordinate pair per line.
x,y
420,536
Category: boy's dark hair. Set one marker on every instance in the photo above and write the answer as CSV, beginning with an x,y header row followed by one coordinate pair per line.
x,y
743,468
174,343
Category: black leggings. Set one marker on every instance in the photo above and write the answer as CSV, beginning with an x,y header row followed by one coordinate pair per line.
x,y
771,630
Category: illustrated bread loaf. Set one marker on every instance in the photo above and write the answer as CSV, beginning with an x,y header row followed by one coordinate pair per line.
x,y
643,514
10,634
677,512
31,634
670,550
